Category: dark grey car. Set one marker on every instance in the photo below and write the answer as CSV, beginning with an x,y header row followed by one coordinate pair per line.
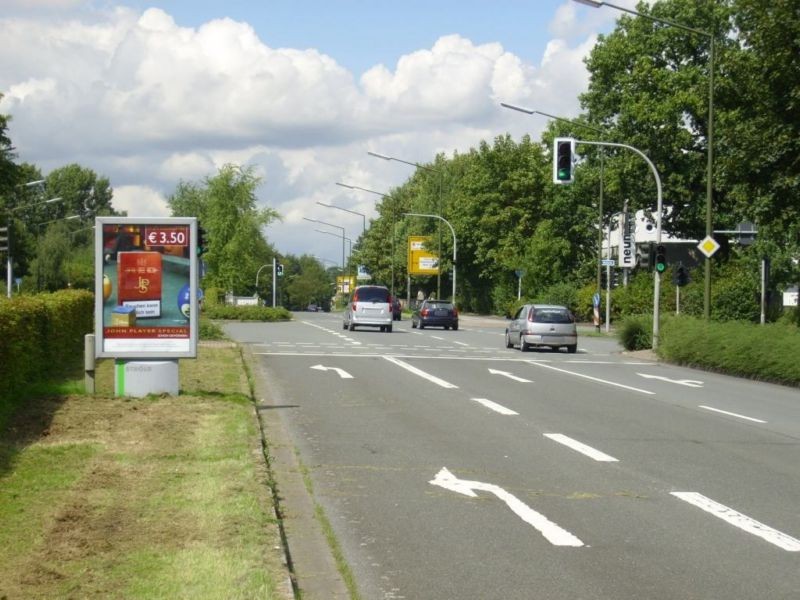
x,y
537,325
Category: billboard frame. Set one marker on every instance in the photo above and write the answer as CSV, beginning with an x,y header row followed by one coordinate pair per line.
x,y
194,312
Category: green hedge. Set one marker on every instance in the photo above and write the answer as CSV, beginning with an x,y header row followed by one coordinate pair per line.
x,y
246,313
41,338
766,352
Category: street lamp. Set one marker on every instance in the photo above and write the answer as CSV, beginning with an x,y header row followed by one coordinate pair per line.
x,y
598,4
602,171
453,231
330,225
362,215
441,174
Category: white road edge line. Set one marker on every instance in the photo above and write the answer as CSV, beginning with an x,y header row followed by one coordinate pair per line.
x,y
580,447
420,372
737,519
495,406
725,412
627,387
461,343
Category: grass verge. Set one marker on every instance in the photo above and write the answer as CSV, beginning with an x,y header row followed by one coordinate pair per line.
x,y
162,497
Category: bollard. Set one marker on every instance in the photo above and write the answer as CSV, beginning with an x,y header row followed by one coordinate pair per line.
x,y
88,362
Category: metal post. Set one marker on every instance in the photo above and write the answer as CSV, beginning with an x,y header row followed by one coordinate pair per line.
x,y
88,362
764,291
274,279
677,299
519,286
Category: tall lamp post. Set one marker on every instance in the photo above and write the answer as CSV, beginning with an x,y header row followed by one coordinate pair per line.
x,y
602,171
331,225
352,212
425,168
455,253
709,168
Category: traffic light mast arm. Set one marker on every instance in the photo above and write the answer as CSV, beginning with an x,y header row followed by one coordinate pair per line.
x,y
657,281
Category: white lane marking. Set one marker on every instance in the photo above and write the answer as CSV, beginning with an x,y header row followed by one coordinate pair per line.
x,y
336,333
580,447
605,362
436,337
420,372
725,412
687,382
627,387
551,532
461,343
737,519
342,373
509,375
495,406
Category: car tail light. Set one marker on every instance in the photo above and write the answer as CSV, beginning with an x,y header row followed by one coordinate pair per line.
x,y
354,306
455,312
424,312
389,300
531,314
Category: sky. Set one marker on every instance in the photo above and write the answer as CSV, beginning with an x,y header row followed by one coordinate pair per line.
x,y
150,94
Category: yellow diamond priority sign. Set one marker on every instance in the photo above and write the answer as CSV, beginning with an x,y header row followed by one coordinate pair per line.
x,y
708,246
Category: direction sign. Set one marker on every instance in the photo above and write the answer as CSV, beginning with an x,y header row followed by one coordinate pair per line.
x,y
608,262
708,246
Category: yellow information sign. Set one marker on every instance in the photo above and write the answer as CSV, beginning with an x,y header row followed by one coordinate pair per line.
x,y
420,260
345,284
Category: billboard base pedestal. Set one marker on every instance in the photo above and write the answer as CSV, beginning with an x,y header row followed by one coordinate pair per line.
x,y
139,378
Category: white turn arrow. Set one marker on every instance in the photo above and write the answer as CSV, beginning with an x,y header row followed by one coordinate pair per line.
x,y
342,373
552,532
509,375
686,382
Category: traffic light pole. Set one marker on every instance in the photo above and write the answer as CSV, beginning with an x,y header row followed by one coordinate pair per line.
x,y
274,279
656,274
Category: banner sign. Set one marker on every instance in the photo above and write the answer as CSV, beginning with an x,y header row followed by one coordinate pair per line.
x,y
146,287
627,249
420,260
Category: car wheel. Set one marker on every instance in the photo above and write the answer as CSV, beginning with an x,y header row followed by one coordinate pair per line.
x,y
447,326
421,326
344,325
388,329
572,348
413,324
351,327
523,345
509,343
455,327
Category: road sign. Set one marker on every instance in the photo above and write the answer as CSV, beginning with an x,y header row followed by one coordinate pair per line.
x,y
708,246
608,262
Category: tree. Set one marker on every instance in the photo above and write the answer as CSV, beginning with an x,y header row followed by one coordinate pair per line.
x,y
81,190
226,206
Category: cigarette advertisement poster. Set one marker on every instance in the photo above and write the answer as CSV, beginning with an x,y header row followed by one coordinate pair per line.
x,y
145,287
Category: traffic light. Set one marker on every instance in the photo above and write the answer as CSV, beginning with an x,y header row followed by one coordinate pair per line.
x,y
202,241
614,278
3,239
661,258
279,270
563,152
644,256
680,276
603,279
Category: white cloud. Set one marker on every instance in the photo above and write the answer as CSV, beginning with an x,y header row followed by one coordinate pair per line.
x,y
147,102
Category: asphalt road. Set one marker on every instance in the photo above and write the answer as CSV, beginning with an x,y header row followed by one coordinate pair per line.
x,y
452,467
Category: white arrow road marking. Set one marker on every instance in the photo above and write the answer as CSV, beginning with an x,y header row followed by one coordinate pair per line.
x,y
737,519
688,382
421,373
509,375
725,412
580,447
627,387
552,532
495,406
342,373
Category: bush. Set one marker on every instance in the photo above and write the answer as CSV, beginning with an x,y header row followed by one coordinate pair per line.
x,y
767,352
635,332
247,313
209,330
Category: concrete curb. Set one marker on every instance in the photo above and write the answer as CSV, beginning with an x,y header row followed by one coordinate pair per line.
x,y
310,562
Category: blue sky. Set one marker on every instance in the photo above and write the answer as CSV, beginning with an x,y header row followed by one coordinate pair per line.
x,y
153,93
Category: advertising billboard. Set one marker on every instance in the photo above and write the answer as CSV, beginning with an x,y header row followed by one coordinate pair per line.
x,y
146,287
420,260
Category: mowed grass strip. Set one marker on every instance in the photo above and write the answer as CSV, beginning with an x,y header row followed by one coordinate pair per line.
x,y
163,497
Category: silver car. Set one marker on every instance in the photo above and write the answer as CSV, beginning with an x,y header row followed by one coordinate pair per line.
x,y
370,306
536,325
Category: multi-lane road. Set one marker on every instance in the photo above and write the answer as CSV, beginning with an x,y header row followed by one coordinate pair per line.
x,y
452,467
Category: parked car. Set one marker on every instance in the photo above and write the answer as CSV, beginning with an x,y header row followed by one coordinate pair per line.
x,y
435,313
370,306
537,325
397,309
312,308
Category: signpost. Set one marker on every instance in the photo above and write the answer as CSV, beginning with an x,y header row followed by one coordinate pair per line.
x,y
146,299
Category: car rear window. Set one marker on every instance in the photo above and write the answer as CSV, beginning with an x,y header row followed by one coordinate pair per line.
x,y
552,315
372,294
434,305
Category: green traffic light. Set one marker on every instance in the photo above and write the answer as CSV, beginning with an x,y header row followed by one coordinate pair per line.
x,y
661,267
563,174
